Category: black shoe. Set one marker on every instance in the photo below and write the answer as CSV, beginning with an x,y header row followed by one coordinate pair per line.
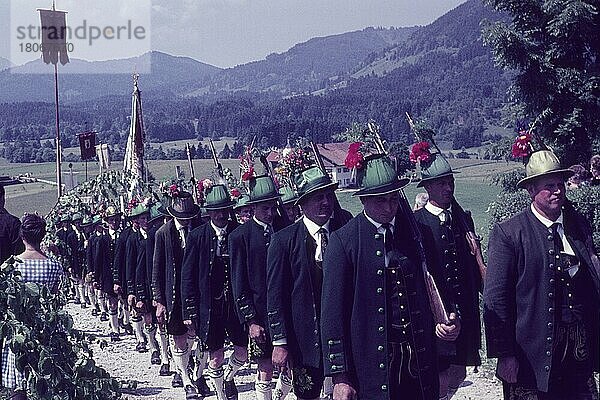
x,y
104,317
155,358
114,337
202,387
95,312
141,347
177,380
231,391
165,370
83,305
191,393
128,329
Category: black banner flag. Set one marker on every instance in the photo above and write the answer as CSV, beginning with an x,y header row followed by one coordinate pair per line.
x,y
87,144
54,36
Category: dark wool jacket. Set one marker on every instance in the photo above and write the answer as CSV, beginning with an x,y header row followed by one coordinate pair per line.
x,y
167,263
104,254
354,314
519,301
120,260
139,265
456,274
10,243
292,312
248,252
197,269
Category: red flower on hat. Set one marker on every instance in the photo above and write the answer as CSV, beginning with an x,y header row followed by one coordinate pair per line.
x,y
248,174
420,152
355,158
235,193
522,145
173,190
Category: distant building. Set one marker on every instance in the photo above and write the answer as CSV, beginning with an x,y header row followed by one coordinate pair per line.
x,y
334,155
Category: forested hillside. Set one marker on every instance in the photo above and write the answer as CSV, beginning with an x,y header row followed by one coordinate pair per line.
x,y
441,72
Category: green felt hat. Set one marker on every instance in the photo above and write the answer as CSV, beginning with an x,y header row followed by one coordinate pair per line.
x,y
311,180
378,177
183,206
436,167
138,210
111,211
217,198
87,221
261,189
287,195
156,211
542,163
242,201
77,217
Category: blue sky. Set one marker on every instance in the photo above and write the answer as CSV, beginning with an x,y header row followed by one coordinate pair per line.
x,y
230,32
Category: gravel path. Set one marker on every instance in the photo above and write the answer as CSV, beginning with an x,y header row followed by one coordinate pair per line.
x,y
122,361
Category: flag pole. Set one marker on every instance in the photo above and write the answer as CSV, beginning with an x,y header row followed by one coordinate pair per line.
x,y
58,145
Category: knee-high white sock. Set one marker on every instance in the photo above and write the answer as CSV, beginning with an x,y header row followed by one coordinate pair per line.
x,y
137,327
232,367
164,345
81,293
181,359
114,321
328,386
151,334
283,386
126,314
263,389
200,355
101,300
216,377
92,296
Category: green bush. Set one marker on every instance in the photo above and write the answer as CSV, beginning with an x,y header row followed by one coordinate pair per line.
x,y
56,358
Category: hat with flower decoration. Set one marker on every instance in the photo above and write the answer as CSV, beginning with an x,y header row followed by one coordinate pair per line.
x,y
262,188
217,197
311,180
183,206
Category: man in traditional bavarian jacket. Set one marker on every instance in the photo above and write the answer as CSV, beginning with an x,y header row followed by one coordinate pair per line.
x,y
541,293
248,246
207,293
140,251
295,275
104,257
445,227
171,240
377,328
118,274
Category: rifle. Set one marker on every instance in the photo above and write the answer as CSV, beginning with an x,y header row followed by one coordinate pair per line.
x,y
191,165
337,207
281,220
473,240
217,165
219,170
435,300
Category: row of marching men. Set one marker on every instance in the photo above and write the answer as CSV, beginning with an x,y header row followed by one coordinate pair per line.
x,y
325,294
257,275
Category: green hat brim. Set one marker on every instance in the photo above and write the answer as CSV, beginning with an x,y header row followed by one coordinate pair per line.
x,y
333,185
258,200
566,173
385,189
184,215
423,181
220,206
134,216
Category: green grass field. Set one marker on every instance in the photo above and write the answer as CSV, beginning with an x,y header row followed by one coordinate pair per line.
x,y
473,188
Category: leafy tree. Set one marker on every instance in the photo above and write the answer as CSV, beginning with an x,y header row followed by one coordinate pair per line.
x,y
554,49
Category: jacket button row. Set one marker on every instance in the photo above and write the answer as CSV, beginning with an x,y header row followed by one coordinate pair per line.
x,y
382,366
380,310
384,387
